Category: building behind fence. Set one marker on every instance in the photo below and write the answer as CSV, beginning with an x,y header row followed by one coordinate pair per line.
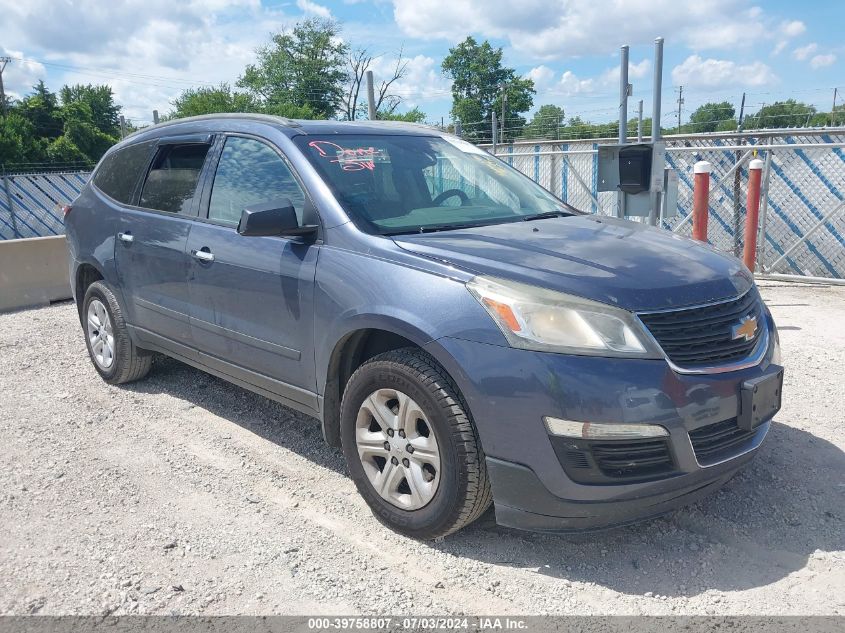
x,y
802,218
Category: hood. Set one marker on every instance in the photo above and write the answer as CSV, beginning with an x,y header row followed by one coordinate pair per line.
x,y
623,263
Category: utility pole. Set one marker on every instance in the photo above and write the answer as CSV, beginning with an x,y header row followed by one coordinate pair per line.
x,y
741,113
657,93
371,97
155,117
3,62
832,110
122,126
494,129
680,103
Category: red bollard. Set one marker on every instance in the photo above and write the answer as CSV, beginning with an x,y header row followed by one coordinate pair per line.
x,y
700,200
752,213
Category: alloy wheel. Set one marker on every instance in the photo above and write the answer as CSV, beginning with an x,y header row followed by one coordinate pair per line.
x,y
398,449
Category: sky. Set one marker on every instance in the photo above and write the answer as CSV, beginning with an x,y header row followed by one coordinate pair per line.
x,y
150,50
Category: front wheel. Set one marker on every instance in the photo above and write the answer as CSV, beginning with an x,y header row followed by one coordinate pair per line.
x,y
411,448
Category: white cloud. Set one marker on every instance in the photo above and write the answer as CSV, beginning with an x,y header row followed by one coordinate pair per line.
x,y
422,81
793,28
820,61
804,52
570,85
306,6
20,74
717,73
147,50
635,71
557,28
542,76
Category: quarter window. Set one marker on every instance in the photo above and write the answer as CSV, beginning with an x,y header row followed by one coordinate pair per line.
x,y
250,172
121,170
172,181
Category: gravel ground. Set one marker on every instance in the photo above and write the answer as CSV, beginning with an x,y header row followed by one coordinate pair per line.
x,y
184,494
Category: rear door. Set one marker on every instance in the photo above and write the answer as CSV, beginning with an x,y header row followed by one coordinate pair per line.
x,y
252,297
150,249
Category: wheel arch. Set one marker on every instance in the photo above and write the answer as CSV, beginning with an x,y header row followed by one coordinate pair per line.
x,y
352,350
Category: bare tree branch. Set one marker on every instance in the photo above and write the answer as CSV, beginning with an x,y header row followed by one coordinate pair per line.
x,y
360,60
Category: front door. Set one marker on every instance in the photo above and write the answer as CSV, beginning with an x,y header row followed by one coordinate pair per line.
x,y
252,297
150,249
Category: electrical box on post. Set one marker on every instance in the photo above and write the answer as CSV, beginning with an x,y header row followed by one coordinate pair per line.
x,y
635,168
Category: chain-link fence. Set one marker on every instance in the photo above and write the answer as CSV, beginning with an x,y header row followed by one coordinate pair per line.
x,y
803,209
31,204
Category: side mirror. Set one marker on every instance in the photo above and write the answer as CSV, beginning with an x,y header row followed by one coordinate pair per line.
x,y
276,217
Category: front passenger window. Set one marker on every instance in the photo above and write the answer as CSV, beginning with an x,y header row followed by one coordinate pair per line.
x,y
172,180
250,172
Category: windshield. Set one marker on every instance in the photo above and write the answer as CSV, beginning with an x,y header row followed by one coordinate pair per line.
x,y
392,184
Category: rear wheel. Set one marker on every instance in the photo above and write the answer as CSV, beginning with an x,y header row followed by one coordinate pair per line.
x,y
115,356
411,448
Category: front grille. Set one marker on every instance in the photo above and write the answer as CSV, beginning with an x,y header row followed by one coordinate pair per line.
x,y
619,461
704,335
719,441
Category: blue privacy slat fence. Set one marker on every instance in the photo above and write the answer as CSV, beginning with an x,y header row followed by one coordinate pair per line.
x,y
30,204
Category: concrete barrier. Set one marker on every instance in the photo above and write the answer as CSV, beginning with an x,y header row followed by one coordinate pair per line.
x,y
33,272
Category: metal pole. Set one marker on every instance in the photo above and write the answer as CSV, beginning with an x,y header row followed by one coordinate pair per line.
x,y
623,96
11,204
640,122
371,96
458,130
504,103
833,109
658,89
764,210
495,130
700,200
752,213
155,117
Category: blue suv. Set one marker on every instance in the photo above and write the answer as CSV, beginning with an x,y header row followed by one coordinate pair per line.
x,y
465,337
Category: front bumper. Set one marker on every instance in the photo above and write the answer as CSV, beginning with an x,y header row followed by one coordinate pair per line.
x,y
508,391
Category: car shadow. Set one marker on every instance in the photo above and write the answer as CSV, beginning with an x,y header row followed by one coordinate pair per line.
x,y
765,524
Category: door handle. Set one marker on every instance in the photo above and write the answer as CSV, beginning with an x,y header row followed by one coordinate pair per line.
x,y
126,237
203,255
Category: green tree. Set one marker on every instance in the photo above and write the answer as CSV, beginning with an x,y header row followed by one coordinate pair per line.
x,y
789,113
415,115
547,123
18,142
214,100
479,83
82,130
41,108
710,116
105,113
303,67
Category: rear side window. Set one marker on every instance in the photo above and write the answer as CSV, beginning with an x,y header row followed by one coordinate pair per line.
x,y
120,171
172,180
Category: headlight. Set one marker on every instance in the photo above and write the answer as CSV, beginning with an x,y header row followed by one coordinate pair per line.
x,y
544,320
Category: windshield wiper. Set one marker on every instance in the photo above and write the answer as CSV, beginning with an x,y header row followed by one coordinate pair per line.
x,y
547,214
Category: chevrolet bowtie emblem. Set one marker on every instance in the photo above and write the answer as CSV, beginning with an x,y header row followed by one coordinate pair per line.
x,y
746,328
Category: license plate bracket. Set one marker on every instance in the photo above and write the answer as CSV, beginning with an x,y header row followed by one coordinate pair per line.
x,y
760,399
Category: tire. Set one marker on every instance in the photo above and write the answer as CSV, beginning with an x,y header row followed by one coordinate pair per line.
x,y
121,361
454,489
